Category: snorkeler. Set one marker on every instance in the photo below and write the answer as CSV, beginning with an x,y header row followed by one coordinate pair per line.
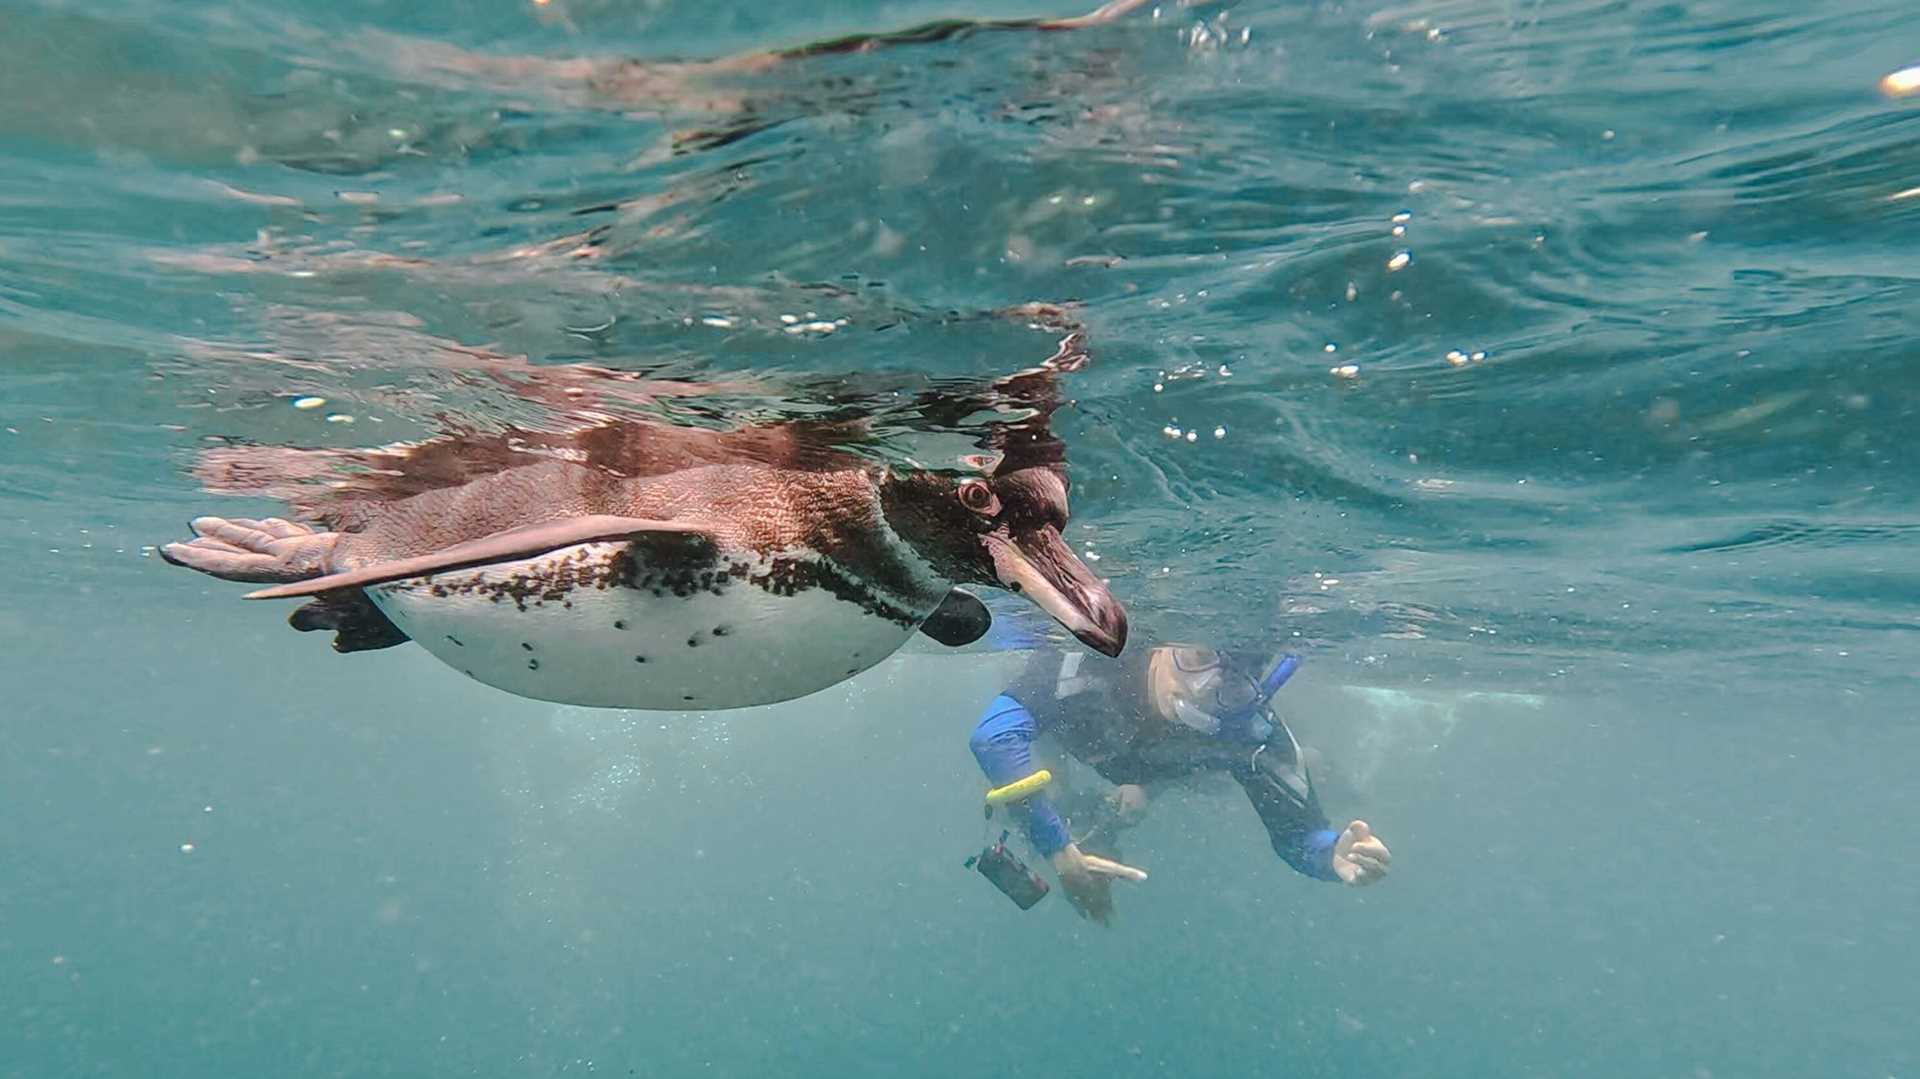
x,y
1158,714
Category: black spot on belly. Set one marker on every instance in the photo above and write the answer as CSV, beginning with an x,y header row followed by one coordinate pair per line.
x,y
619,623
455,640
639,659
693,641
853,670
688,697
722,631
533,665
526,646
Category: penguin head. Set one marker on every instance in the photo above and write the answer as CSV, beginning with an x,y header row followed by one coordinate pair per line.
x,y
1003,528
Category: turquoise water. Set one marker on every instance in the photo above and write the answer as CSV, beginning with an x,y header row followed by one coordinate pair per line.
x,y
1611,616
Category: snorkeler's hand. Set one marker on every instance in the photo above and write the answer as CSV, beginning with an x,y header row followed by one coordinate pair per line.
x,y
1088,881
1359,858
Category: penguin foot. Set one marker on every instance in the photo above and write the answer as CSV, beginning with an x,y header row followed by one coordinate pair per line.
x,y
357,625
243,549
961,619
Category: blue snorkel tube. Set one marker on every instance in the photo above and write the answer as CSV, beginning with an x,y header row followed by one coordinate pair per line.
x,y
1277,675
1249,721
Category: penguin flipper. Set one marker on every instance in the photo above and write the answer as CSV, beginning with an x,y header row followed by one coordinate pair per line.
x,y
508,546
961,619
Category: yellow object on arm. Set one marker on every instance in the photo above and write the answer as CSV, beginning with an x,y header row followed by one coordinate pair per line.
x,y
1019,788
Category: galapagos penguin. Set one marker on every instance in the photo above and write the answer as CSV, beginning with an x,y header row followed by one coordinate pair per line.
x,y
634,564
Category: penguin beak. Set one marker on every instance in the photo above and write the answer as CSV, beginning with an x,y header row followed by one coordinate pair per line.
x,y
1039,565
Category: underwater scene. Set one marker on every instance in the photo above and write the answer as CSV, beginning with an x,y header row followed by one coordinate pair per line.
x,y
960,538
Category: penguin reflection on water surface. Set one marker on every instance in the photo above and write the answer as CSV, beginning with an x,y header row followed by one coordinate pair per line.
x,y
642,565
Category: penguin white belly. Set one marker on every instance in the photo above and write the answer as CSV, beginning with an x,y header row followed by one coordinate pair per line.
x,y
562,628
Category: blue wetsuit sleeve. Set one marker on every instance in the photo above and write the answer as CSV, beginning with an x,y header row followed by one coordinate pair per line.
x,y
1310,852
1003,745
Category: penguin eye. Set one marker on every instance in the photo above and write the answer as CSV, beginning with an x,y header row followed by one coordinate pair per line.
x,y
979,498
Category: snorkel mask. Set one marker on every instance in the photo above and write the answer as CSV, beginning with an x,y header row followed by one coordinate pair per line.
x,y
1213,698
